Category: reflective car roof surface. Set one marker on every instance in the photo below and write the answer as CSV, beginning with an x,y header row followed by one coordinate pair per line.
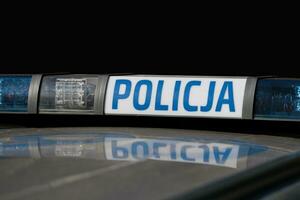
x,y
130,163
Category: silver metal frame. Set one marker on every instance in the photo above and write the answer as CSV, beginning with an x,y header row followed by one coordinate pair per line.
x,y
248,103
100,99
249,96
33,95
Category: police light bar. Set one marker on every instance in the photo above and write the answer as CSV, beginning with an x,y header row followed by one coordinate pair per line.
x,y
152,95
71,94
19,93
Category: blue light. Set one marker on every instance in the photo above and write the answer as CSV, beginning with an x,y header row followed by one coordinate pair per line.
x,y
297,91
14,93
277,98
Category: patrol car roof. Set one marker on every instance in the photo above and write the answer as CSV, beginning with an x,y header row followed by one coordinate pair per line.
x,y
95,162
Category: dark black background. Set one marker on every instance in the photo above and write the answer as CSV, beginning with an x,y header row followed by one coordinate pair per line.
x,y
250,61
214,47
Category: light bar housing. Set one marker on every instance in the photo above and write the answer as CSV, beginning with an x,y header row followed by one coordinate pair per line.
x,y
259,98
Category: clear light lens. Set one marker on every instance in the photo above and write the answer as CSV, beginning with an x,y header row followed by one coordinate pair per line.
x,y
277,98
14,92
67,94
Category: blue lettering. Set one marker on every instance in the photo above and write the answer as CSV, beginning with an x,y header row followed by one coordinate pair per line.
x,y
173,151
137,89
134,149
158,105
186,98
176,95
205,153
224,155
183,153
118,152
156,147
210,99
227,86
117,94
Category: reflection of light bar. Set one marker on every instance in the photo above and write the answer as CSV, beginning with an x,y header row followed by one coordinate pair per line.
x,y
131,149
52,146
152,95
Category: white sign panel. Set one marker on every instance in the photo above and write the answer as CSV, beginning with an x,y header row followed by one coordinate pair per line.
x,y
175,96
132,149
